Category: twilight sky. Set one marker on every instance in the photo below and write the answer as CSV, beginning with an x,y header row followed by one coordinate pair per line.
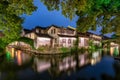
x,y
43,17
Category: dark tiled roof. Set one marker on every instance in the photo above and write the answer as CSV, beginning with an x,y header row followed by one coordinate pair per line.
x,y
83,34
105,38
27,31
44,35
53,26
93,33
39,27
60,35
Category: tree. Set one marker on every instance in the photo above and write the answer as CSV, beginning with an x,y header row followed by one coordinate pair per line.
x,y
10,20
92,13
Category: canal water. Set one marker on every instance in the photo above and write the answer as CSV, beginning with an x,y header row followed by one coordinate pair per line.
x,y
19,65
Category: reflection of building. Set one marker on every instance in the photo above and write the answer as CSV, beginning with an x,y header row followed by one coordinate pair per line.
x,y
67,63
96,57
41,65
83,60
55,36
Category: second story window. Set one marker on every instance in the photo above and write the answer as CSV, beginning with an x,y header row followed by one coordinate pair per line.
x,y
54,31
37,31
51,31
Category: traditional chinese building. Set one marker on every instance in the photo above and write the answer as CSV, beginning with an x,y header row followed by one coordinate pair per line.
x,y
55,36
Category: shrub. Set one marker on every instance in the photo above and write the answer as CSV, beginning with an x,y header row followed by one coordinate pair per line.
x,y
41,48
64,49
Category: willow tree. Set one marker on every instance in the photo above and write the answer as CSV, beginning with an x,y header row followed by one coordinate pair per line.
x,y
10,20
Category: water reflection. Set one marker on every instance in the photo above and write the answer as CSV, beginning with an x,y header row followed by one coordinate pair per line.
x,y
41,65
96,57
47,67
64,64
17,56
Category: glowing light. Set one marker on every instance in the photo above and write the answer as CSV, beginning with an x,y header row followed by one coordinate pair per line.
x,y
13,50
111,51
8,55
19,58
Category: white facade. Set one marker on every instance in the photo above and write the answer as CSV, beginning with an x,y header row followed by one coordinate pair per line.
x,y
67,41
30,35
20,43
83,42
42,41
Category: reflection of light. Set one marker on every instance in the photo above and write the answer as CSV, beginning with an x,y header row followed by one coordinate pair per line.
x,y
111,51
82,60
12,55
95,54
43,66
73,64
67,63
96,57
93,61
19,57
66,66
8,55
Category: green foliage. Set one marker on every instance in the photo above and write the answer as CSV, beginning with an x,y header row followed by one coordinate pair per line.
x,y
92,13
1,51
27,40
64,49
116,52
94,47
41,49
2,44
51,4
82,50
10,20
91,45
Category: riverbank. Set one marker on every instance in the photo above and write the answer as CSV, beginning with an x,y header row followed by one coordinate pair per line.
x,y
52,52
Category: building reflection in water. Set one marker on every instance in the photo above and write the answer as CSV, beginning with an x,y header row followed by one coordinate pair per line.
x,y
57,64
41,65
66,63
96,57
